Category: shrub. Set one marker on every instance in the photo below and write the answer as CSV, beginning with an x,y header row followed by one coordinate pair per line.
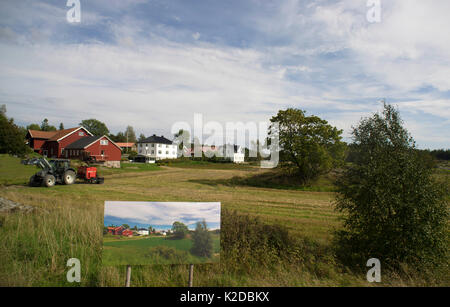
x,y
393,209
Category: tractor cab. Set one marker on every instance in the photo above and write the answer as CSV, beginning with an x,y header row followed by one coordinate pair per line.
x,y
53,171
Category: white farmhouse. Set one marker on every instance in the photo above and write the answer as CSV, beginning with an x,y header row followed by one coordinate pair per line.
x,y
234,152
143,232
157,148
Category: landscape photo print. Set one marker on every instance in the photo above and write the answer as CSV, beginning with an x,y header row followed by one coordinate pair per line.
x,y
145,233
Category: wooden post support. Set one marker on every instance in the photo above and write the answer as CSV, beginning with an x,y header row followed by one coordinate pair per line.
x,y
191,275
128,280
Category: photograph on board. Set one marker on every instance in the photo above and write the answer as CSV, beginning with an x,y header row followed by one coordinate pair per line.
x,y
145,233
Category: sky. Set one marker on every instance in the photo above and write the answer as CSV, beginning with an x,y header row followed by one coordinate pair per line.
x,y
151,64
161,215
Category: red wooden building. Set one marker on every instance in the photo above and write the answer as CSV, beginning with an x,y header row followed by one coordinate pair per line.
x,y
52,143
120,231
95,149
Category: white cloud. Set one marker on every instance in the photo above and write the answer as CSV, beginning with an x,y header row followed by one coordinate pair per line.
x,y
163,213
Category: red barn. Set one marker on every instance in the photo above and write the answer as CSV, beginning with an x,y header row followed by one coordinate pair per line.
x,y
120,231
37,138
52,143
96,149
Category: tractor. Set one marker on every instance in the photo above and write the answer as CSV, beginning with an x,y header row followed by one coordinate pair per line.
x,y
59,171
53,171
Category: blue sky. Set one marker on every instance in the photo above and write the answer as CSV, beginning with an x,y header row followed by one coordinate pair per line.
x,y
161,215
153,63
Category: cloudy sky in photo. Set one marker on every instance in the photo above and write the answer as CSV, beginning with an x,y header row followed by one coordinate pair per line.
x,y
161,215
152,63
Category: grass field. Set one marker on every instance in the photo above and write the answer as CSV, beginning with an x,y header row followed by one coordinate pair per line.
x,y
35,247
136,250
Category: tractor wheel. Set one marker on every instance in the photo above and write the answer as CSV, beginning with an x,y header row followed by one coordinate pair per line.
x,y
69,177
31,183
49,181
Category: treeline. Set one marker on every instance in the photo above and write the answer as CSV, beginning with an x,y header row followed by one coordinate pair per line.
x,y
432,155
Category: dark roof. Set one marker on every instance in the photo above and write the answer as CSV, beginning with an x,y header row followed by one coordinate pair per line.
x,y
83,142
156,139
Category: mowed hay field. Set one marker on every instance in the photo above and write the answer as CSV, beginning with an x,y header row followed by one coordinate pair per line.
x,y
69,222
136,250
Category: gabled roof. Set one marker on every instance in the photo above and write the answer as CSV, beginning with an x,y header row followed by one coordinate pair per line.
x,y
86,141
156,139
83,142
66,132
37,134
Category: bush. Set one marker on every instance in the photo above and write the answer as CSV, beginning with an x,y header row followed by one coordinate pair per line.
x,y
393,209
202,241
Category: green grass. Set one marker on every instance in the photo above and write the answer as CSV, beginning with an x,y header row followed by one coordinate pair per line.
x,y
35,247
125,251
12,172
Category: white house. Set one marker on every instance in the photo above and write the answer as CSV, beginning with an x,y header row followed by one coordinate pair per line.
x,y
143,232
234,152
157,148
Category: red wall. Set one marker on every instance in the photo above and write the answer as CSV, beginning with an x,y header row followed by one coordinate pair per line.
x,y
112,152
58,146
69,140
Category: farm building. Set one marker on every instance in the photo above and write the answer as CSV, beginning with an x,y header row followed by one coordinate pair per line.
x,y
157,148
95,149
143,232
52,143
127,147
75,143
120,231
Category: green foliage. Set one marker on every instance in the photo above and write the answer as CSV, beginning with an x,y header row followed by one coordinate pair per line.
x,y
95,126
179,230
126,226
33,127
45,126
61,126
12,139
393,209
308,143
141,137
202,241
130,135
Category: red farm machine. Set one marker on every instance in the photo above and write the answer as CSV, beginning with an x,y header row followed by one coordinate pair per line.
x,y
89,174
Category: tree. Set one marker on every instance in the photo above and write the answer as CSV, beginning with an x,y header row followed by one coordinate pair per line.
x,y
95,126
393,209
33,127
130,135
119,137
308,144
126,226
61,126
11,137
202,241
179,230
45,126
141,137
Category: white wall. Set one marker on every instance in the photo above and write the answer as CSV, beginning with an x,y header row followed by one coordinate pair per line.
x,y
157,151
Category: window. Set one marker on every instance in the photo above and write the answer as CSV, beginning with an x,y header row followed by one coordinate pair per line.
x,y
103,152
153,152
153,145
167,152
159,151
81,133
103,142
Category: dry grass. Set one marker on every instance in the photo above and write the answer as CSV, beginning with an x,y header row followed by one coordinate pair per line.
x,y
35,247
